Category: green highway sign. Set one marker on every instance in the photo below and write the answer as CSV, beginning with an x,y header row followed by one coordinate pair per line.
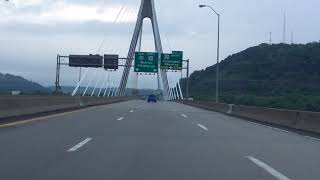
x,y
146,62
165,61
172,61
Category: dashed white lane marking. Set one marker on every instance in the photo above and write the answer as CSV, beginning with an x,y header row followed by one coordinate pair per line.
x,y
131,111
120,119
76,147
268,168
183,115
203,127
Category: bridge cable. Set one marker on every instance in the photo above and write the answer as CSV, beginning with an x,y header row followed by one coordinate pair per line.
x,y
95,87
98,50
122,11
107,85
85,91
180,89
122,17
103,83
170,91
111,87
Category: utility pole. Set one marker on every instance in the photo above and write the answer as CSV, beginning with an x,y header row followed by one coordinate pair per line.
x,y
292,37
270,40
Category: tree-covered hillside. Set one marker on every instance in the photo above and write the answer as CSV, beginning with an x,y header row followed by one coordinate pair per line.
x,y
264,72
10,83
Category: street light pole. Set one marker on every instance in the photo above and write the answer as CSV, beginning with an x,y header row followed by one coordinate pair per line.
x,y
218,51
218,59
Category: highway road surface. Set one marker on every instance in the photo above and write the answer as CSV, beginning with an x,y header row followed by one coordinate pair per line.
x,y
135,140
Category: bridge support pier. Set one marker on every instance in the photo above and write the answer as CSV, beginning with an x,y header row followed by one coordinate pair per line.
x,y
147,10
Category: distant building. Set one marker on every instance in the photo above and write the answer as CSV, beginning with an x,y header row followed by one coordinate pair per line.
x,y
15,93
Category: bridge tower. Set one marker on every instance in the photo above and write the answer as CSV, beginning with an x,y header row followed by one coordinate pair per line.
x,y
147,10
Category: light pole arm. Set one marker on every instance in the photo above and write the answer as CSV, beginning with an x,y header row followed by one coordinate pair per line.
x,y
213,10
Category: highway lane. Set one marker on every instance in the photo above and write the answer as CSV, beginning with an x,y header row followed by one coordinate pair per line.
x,y
30,147
137,140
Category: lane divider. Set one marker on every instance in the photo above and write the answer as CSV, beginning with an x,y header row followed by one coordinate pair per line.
x,y
267,168
82,143
120,119
183,115
203,127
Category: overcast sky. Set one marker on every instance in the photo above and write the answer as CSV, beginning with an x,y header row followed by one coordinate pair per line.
x,y
33,32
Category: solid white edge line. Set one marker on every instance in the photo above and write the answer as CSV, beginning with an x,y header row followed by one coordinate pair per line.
x,y
284,131
313,138
76,147
268,168
121,118
203,127
273,128
183,115
43,118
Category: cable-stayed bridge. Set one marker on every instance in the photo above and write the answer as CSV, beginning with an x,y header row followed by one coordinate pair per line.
x,y
163,68
86,136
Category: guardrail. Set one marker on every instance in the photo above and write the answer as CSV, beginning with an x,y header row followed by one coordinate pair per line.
x,y
301,120
15,106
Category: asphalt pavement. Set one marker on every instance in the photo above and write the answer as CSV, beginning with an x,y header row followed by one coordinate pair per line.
x,y
136,140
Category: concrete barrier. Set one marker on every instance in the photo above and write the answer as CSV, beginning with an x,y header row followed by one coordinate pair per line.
x,y
309,121
275,116
301,120
219,107
13,106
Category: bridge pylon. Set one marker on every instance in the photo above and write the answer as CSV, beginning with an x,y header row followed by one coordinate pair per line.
x,y
147,10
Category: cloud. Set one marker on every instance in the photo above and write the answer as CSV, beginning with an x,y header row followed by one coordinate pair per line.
x,y
25,3
32,32
47,12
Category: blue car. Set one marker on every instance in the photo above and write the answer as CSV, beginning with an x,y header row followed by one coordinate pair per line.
x,y
152,98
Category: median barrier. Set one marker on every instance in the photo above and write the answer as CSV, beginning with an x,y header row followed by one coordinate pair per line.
x,y
301,120
14,106
219,107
